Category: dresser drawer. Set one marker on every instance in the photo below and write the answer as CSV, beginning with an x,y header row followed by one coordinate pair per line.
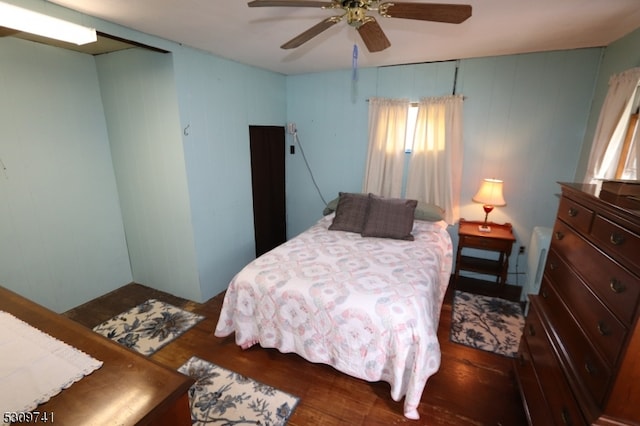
x,y
563,407
533,395
617,242
586,365
617,287
575,214
605,331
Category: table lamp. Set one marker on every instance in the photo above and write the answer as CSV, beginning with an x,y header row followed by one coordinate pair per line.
x,y
490,195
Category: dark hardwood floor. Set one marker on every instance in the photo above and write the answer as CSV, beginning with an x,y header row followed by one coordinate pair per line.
x,y
472,387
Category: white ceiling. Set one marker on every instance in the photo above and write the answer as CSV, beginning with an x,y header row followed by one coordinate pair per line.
x,y
252,36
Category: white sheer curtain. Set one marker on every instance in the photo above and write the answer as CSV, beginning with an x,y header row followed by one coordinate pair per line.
x,y
611,126
385,158
435,167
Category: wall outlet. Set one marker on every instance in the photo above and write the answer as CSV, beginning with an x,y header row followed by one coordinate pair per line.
x,y
291,128
521,250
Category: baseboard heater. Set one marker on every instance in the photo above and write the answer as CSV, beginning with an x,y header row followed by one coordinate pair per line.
x,y
538,249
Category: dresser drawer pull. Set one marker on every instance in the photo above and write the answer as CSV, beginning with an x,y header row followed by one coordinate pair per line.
x,y
544,293
532,330
572,212
559,235
616,239
603,328
590,368
552,266
565,416
617,286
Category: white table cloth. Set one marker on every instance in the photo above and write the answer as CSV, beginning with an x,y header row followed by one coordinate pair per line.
x,y
35,366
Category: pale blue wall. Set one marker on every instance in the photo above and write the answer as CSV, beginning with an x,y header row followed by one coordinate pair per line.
x,y
619,56
183,162
141,109
185,201
218,100
524,121
62,240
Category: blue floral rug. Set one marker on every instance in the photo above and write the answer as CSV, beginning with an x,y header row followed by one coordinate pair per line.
x,y
149,326
486,323
223,397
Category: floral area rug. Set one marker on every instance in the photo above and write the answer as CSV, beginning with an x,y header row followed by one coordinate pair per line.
x,y
223,397
487,323
149,326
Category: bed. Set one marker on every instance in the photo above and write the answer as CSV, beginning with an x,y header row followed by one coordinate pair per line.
x,y
369,306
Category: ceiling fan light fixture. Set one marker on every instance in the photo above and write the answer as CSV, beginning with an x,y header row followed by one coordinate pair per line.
x,y
356,16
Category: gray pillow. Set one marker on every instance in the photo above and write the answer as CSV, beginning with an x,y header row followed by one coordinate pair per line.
x,y
390,218
351,212
331,207
429,212
424,211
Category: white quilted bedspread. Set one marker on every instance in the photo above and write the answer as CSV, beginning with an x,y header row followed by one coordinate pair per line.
x,y
367,306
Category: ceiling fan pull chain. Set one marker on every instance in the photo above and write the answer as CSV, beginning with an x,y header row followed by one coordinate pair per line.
x,y
354,62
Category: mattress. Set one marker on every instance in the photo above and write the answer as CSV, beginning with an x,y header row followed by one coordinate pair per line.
x,y
369,307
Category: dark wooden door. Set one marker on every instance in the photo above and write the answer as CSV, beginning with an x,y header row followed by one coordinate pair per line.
x,y
267,178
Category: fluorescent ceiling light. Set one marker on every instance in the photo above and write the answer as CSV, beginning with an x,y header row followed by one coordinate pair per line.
x,y
28,21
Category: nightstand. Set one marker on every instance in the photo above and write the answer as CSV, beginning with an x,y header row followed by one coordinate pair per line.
x,y
500,239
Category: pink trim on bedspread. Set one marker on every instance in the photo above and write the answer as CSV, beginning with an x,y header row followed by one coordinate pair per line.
x,y
367,306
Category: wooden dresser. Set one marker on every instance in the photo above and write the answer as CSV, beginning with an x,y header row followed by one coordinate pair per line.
x,y
579,357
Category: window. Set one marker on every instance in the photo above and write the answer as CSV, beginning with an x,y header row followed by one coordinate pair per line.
x,y
412,117
614,152
431,131
620,156
627,165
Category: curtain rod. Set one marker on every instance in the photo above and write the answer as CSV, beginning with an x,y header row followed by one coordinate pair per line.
x,y
417,103
455,84
455,77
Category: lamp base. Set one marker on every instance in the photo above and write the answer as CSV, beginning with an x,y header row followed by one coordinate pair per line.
x,y
484,228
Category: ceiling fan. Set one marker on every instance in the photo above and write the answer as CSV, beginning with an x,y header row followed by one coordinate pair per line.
x,y
355,11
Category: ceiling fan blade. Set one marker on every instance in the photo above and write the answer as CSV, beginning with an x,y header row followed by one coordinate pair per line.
x,y
289,3
437,12
311,32
373,36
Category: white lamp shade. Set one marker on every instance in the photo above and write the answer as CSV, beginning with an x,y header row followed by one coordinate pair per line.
x,y
490,193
